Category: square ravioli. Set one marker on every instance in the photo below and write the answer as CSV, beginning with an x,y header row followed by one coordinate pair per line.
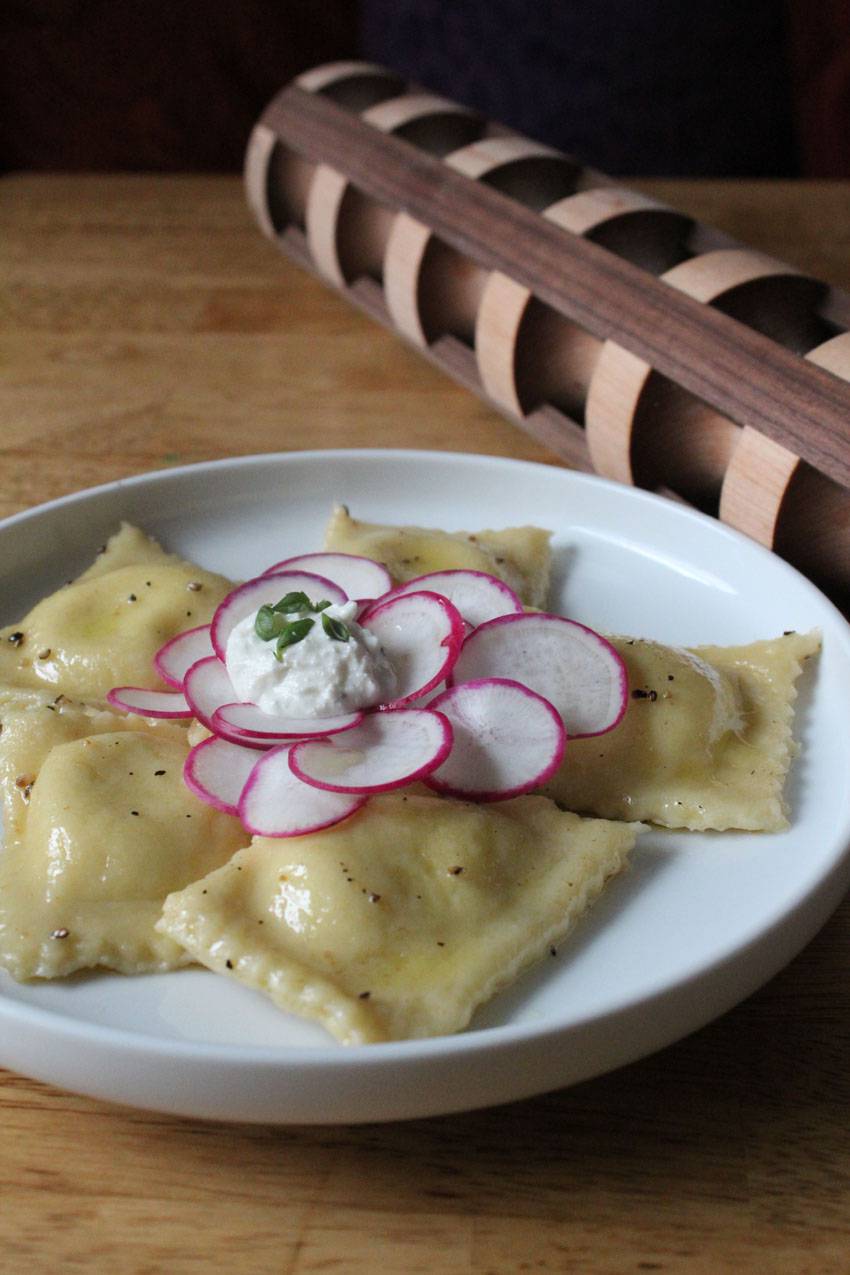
x,y
400,921
706,741
99,829
518,555
104,628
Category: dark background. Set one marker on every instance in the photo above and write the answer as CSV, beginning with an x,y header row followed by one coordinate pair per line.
x,y
652,87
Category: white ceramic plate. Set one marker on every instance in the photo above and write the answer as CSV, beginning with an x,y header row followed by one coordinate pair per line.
x,y
699,922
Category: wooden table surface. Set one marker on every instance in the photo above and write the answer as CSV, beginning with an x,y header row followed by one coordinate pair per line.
x,y
144,322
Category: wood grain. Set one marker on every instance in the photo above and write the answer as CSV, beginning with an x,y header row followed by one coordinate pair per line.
x,y
731,367
145,320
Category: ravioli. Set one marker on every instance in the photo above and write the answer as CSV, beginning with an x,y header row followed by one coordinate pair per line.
x,y
706,741
104,629
27,734
398,922
518,555
101,829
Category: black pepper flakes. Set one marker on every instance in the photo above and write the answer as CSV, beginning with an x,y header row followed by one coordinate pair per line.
x,y
229,964
374,898
134,812
553,951
16,638
159,772
132,598
455,871
364,996
652,696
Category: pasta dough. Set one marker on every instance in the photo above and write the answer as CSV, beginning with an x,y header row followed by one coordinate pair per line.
x,y
100,828
705,743
518,555
104,629
398,922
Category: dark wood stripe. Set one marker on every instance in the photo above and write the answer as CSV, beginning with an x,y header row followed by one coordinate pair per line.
x,y
741,373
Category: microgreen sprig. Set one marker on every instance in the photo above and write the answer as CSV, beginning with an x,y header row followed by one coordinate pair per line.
x,y
271,621
294,632
335,629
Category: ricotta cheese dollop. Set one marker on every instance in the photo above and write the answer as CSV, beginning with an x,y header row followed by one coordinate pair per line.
x,y
318,676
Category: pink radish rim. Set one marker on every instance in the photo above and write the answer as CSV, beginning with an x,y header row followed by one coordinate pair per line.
x,y
220,725
297,832
326,588
485,795
199,714
373,789
328,553
158,658
531,616
113,697
195,786
453,641
409,586
232,735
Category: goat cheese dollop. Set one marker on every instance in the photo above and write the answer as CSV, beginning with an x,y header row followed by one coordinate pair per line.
x,y
317,676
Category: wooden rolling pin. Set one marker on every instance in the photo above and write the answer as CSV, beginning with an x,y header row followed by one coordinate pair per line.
x,y
626,336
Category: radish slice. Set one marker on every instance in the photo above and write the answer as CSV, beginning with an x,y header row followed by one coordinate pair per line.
x,y
507,740
359,577
479,597
207,687
421,636
250,720
266,591
135,699
174,660
276,803
575,669
386,751
217,771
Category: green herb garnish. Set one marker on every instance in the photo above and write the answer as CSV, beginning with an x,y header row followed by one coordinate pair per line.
x,y
269,623
294,632
335,629
293,602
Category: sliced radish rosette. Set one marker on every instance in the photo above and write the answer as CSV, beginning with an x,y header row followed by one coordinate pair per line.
x,y
388,750
216,771
421,635
359,577
276,803
173,660
575,669
266,591
135,699
477,596
247,719
507,740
